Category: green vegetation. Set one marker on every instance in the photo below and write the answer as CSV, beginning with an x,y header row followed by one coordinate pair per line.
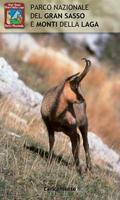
x,y
15,21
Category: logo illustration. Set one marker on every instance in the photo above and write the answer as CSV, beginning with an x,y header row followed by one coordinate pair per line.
x,y
14,15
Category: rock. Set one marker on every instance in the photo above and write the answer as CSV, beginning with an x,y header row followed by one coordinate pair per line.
x,y
101,151
94,42
19,105
11,84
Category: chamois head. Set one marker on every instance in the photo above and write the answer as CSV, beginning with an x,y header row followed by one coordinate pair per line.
x,y
72,90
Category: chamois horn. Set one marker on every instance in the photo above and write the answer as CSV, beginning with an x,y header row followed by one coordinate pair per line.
x,y
79,76
85,71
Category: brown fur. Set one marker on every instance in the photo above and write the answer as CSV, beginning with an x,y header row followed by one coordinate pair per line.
x,y
64,109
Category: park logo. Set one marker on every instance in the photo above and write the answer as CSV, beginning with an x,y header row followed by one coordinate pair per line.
x,y
14,15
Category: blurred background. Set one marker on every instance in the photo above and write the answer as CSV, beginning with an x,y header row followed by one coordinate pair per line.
x,y
30,64
43,60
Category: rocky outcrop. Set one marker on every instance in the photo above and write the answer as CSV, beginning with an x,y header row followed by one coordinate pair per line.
x,y
102,154
10,84
19,105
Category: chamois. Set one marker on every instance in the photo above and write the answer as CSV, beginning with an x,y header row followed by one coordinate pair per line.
x,y
64,109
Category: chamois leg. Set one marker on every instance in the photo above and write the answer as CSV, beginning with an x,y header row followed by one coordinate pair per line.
x,y
71,131
51,143
75,141
51,137
84,131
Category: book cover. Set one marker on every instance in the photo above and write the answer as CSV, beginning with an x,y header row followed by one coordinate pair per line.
x,y
59,100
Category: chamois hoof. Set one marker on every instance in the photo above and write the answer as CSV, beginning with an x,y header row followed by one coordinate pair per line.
x,y
79,171
89,170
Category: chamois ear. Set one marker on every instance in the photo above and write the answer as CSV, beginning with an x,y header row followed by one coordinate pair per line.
x,y
71,78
